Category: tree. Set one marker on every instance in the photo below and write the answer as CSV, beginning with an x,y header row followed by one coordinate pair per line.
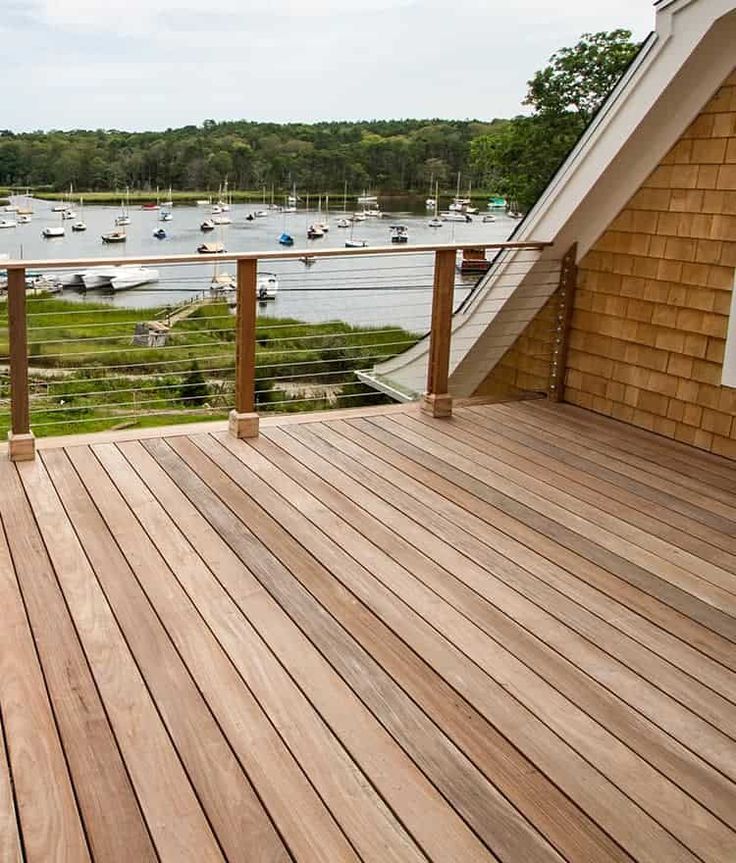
x,y
521,157
193,389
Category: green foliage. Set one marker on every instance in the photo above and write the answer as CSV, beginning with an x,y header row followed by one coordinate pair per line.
x,y
390,155
193,390
519,157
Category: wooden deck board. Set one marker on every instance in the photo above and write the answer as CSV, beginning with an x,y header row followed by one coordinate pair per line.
x,y
370,636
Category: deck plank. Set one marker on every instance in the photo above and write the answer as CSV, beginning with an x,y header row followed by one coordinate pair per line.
x,y
446,462
370,635
297,811
47,809
455,776
539,537
499,665
434,825
241,824
310,732
599,704
362,451
112,818
624,494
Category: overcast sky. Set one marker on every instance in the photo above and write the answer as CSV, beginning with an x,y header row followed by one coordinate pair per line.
x,y
151,64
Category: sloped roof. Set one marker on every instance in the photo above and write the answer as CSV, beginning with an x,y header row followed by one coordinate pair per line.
x,y
678,69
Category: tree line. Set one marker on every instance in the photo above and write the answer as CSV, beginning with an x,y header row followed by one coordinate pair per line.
x,y
513,157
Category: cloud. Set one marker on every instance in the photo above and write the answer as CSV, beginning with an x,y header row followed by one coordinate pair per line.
x,y
139,64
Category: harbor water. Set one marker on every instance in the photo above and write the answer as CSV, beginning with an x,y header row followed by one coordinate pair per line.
x,y
363,290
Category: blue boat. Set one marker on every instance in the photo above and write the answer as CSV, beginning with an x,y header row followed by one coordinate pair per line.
x,y
286,239
160,234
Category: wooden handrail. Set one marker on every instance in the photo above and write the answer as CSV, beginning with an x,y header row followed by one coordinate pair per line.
x,y
20,440
265,255
437,400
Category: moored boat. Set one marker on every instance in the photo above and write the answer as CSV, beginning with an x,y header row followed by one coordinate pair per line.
x,y
286,239
207,225
114,237
48,233
211,248
8,223
399,233
159,234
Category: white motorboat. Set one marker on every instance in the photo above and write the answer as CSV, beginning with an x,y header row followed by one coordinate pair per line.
x,y
48,233
78,227
118,278
434,222
399,233
8,223
489,218
342,223
267,286
355,244
24,219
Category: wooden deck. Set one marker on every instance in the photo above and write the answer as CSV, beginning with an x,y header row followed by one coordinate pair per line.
x,y
507,636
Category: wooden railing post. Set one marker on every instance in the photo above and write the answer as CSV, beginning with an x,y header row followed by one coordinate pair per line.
x,y
244,419
437,400
21,442
563,319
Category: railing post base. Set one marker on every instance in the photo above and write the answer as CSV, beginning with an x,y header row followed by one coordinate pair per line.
x,y
243,425
438,405
21,447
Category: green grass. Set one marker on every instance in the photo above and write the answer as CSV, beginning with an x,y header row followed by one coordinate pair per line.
x,y
80,384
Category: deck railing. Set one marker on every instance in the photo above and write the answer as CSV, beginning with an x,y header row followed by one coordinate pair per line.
x,y
244,416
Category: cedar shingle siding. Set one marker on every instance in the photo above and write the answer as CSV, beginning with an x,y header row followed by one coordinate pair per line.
x,y
654,294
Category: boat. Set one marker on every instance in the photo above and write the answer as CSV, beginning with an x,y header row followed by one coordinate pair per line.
x,y
80,224
207,225
355,244
118,278
496,202
222,281
314,232
430,203
24,219
222,220
267,286
124,217
399,233
211,248
203,202
358,217
455,216
59,208
342,223
166,216
68,214
489,218
286,239
260,214
114,237
8,223
474,261
48,233
515,214
372,213
159,234
435,221
367,199
11,208
150,206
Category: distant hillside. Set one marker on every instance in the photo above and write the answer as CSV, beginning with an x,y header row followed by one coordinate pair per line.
x,y
385,155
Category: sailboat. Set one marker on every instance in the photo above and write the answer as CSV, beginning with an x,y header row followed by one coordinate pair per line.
x,y
124,217
80,225
343,221
352,243
54,231
435,221
431,203
222,280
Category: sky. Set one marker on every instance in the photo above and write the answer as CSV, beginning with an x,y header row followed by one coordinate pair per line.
x,y
155,64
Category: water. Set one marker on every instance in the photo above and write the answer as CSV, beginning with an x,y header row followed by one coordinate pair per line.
x,y
362,290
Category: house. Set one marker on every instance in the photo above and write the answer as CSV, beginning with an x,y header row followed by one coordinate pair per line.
x,y
648,196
